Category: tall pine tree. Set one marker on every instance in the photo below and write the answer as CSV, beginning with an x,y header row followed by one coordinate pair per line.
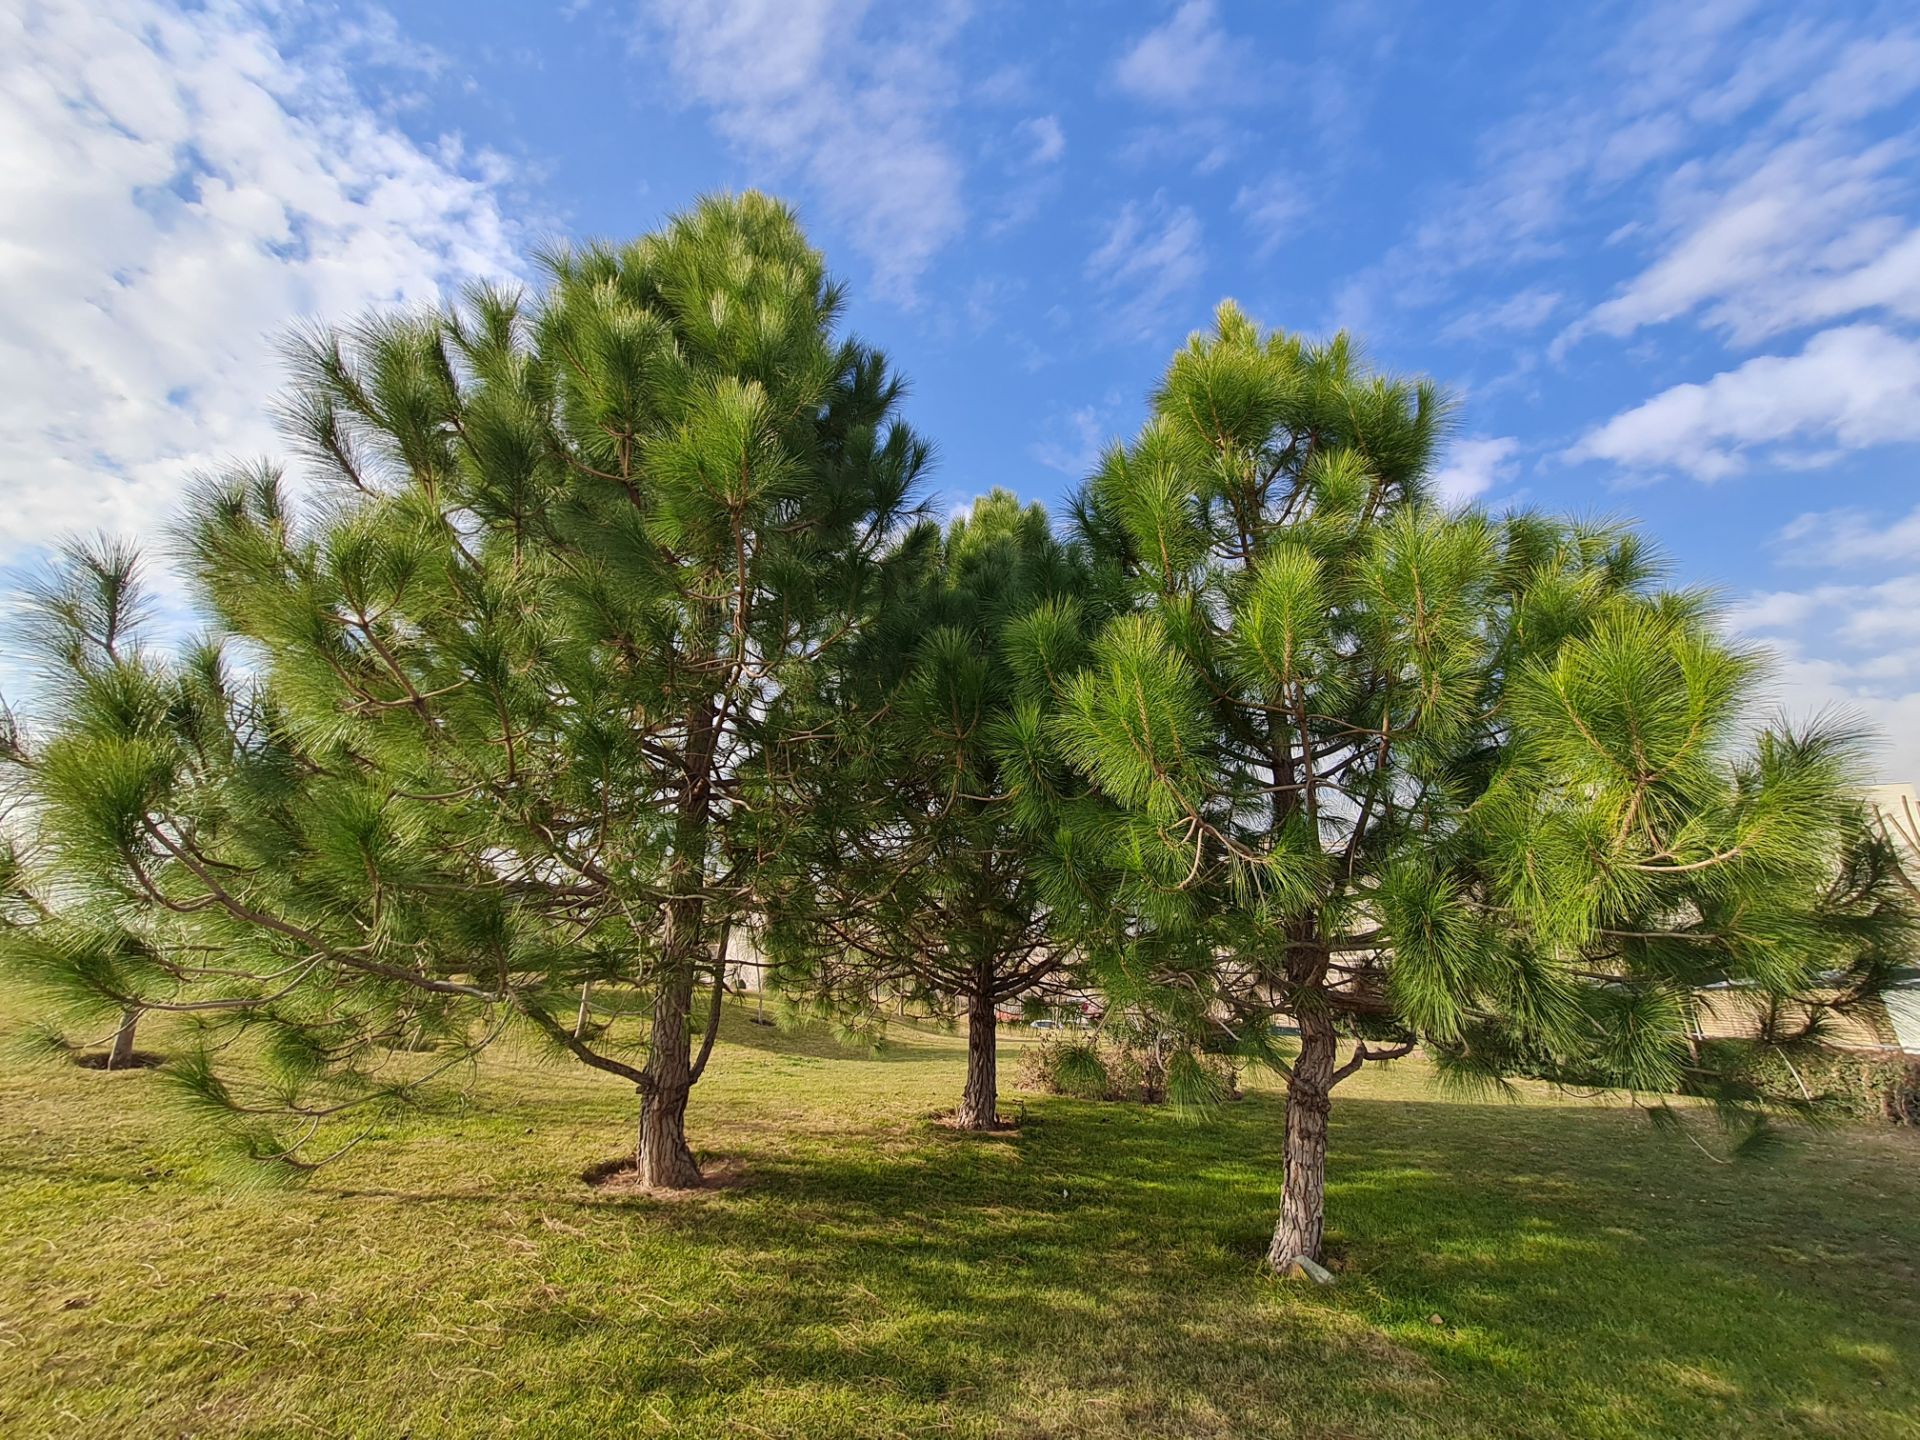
x,y
478,728
1415,776
920,880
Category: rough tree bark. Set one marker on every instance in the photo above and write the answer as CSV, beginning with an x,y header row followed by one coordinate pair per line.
x,y
1309,1097
979,1102
663,1160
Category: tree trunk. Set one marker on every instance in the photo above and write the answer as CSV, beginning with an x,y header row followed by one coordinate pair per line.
x,y
663,1159
121,1055
1153,1072
586,1002
979,1102
1309,1092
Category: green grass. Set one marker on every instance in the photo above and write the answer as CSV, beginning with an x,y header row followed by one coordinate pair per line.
x,y
1095,1273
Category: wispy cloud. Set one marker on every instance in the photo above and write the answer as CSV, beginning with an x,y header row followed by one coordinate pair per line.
x,y
1805,233
848,99
1518,314
1849,537
1850,617
1708,91
1204,143
1187,59
1271,208
1031,171
1047,141
1075,442
1152,255
1850,645
1879,688
179,187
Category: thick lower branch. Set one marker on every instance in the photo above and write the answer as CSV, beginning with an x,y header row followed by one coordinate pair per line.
x,y
555,1031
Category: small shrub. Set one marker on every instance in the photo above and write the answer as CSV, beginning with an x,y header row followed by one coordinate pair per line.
x,y
1101,1067
1855,1084
1079,1070
1844,1084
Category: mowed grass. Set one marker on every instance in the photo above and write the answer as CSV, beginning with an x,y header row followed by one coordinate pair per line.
x,y
1095,1273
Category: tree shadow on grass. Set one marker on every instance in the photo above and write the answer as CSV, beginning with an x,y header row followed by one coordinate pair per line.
x,y
1099,1271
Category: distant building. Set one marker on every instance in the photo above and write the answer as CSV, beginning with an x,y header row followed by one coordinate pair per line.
x,y
1898,810
746,963
1736,1010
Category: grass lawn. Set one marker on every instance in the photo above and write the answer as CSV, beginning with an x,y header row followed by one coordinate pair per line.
x,y
1095,1273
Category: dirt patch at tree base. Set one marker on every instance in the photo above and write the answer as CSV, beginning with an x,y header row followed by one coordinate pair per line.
x,y
139,1060
620,1177
947,1120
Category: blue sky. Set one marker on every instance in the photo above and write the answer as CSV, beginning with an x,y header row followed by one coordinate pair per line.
x,y
1668,256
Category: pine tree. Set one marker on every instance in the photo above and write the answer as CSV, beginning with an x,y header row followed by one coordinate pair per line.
x,y
477,730
79,616
921,881
1419,776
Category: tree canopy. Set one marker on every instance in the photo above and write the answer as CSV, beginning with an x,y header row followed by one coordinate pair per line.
x,y
479,723
1415,775
920,879
607,620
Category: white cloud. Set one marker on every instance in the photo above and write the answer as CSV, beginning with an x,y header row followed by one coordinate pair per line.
x,y
175,190
1518,314
1849,650
1474,466
1868,75
1711,93
1270,209
1851,645
1076,452
1833,538
1850,615
1047,141
1151,254
1771,610
1855,386
1184,60
822,90
1803,235
1806,684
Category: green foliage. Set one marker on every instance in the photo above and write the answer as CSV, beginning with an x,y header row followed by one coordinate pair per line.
x,y
920,884
1071,1067
1438,776
1851,1084
504,710
1140,1062
601,620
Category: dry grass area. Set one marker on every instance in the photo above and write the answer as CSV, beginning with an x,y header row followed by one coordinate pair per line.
x,y
872,1272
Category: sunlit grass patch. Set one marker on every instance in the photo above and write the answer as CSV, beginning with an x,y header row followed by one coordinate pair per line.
x,y
1095,1272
